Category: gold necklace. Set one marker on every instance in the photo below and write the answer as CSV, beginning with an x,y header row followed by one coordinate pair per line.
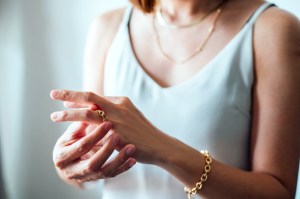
x,y
198,49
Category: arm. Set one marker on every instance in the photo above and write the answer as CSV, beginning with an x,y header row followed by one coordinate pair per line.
x,y
276,124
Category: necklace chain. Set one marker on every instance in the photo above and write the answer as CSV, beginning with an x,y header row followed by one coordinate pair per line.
x,y
197,50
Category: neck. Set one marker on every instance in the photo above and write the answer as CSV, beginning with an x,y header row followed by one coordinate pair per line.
x,y
182,11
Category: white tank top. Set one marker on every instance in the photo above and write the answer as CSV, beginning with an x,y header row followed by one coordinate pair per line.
x,y
211,110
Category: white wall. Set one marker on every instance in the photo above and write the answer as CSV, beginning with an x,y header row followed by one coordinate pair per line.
x,y
292,6
41,44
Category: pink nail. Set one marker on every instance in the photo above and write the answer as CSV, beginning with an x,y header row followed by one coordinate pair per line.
x,y
55,93
54,116
131,164
130,151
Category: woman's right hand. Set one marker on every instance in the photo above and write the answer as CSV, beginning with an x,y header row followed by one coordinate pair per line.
x,y
80,156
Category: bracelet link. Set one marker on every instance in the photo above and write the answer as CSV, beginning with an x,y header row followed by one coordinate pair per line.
x,y
203,178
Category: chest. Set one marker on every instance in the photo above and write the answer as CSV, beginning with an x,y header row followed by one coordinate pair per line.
x,y
160,51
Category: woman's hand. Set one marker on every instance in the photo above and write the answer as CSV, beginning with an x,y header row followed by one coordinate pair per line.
x,y
128,123
81,156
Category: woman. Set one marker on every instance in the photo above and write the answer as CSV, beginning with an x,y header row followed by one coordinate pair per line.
x,y
211,74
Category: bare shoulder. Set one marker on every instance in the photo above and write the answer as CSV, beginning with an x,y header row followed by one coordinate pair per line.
x,y
276,96
277,46
107,24
277,32
100,36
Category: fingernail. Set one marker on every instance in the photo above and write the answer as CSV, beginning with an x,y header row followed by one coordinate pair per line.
x,y
55,115
55,93
130,151
107,126
131,164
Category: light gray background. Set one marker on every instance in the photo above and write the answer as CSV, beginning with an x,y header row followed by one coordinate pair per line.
x,y
41,45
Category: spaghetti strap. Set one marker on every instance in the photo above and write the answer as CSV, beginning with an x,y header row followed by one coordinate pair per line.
x,y
257,13
127,15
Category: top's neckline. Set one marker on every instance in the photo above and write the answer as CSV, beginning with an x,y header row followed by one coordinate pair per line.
x,y
208,66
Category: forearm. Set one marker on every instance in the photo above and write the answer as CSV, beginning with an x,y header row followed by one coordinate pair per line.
x,y
187,164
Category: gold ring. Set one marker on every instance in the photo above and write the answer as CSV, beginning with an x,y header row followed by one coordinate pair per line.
x,y
102,115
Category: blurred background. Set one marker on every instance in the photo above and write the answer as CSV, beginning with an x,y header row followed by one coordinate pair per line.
x,y
41,48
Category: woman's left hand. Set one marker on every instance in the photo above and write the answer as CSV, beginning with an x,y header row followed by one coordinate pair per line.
x,y
128,122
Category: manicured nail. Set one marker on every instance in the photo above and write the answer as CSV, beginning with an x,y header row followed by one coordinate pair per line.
x,y
107,126
55,116
131,164
55,93
130,151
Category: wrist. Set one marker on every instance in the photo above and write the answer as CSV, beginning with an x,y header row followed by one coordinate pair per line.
x,y
180,160
171,151
165,151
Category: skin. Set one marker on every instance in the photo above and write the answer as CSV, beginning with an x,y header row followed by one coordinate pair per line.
x,y
275,138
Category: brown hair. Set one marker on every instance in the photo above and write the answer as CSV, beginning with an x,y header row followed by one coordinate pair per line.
x,y
146,6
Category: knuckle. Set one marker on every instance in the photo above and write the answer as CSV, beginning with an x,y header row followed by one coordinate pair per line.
x,y
87,171
58,162
84,145
90,168
70,104
64,115
122,158
124,100
87,113
113,140
64,94
123,111
97,175
89,96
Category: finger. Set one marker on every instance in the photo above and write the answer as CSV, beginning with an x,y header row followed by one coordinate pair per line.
x,y
70,153
101,156
105,139
75,105
87,98
119,164
93,165
111,167
79,105
125,167
83,115
74,132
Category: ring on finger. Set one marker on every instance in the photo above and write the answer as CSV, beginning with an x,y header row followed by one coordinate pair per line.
x,y
102,115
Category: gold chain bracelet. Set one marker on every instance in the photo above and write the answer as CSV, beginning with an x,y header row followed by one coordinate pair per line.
x,y
204,176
